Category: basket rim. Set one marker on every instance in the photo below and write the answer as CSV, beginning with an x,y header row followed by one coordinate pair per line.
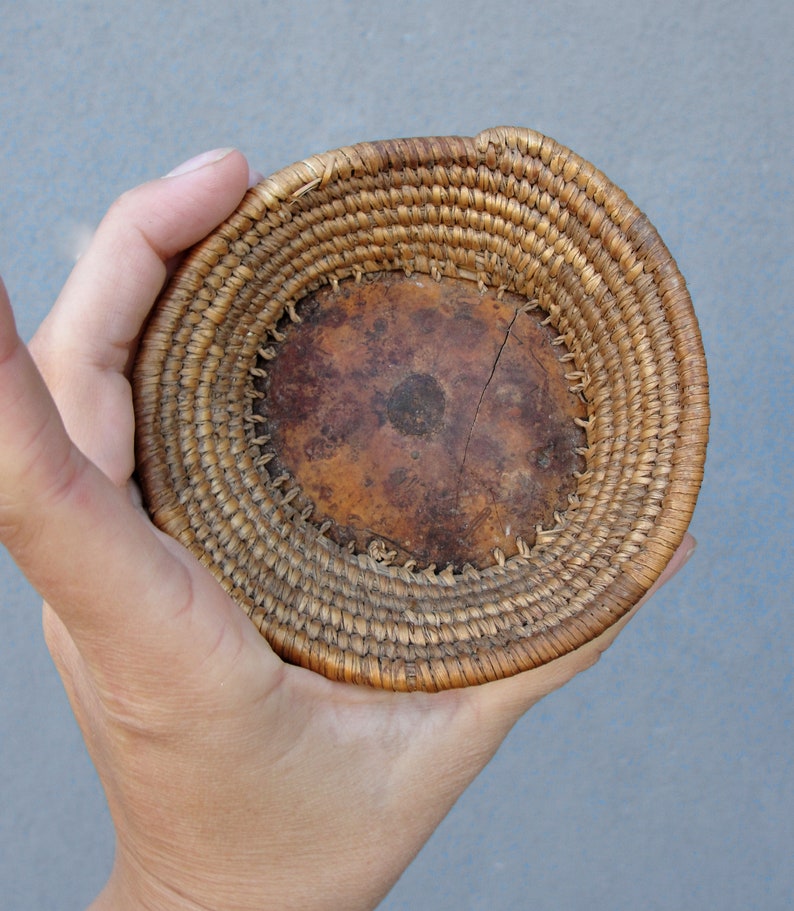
x,y
501,154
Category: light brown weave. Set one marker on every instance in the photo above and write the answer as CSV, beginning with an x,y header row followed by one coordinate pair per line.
x,y
511,210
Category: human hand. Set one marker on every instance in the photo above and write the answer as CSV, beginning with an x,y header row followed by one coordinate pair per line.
x,y
234,781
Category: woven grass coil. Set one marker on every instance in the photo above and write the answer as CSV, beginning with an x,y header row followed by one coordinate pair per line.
x,y
509,210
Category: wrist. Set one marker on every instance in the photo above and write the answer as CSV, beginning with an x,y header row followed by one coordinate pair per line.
x,y
134,890
131,888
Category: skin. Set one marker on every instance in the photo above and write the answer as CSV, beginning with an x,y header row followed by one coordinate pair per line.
x,y
234,781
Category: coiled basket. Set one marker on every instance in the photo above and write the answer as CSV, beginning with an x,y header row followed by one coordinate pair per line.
x,y
352,398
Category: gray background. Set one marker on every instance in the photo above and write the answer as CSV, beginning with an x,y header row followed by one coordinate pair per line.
x,y
662,779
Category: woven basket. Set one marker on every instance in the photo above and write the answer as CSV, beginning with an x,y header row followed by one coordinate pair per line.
x,y
513,214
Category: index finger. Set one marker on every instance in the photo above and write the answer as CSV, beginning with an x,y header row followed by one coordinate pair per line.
x,y
87,342
99,313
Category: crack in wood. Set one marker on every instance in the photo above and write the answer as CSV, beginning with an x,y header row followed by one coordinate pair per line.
x,y
479,405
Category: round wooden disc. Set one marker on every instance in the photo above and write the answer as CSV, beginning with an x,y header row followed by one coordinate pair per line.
x,y
426,416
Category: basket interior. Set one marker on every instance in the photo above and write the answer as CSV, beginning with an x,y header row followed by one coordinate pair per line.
x,y
513,213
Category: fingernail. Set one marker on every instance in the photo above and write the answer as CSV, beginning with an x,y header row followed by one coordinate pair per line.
x,y
254,177
199,161
692,549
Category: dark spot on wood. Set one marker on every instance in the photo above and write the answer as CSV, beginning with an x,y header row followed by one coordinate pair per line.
x,y
416,405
